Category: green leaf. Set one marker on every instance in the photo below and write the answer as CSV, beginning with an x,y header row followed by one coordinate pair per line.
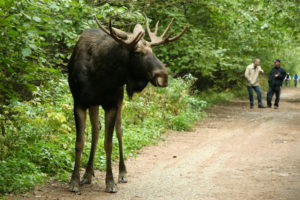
x,y
37,19
26,52
33,46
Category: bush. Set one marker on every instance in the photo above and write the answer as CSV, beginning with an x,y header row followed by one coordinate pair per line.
x,y
19,174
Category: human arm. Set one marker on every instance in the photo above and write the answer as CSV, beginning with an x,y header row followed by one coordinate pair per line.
x,y
247,74
271,76
281,75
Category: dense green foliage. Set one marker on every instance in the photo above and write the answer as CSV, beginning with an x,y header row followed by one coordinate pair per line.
x,y
37,37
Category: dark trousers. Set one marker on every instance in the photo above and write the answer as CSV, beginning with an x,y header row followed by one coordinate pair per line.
x,y
287,83
271,91
258,93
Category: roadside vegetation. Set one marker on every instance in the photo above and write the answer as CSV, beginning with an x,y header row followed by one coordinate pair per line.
x,y
37,133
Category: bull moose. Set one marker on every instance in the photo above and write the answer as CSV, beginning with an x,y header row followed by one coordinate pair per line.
x,y
102,63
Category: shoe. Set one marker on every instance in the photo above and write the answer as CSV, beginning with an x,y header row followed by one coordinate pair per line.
x,y
269,106
275,107
251,106
261,106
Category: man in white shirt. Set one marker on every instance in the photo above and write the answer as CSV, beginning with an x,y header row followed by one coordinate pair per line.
x,y
252,74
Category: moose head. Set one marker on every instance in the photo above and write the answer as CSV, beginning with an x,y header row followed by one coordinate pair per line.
x,y
143,62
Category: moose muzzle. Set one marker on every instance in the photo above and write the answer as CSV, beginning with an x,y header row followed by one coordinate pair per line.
x,y
160,78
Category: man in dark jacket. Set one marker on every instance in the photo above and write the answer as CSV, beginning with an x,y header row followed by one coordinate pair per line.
x,y
276,78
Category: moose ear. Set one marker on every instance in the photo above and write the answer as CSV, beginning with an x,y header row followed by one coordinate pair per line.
x,y
138,29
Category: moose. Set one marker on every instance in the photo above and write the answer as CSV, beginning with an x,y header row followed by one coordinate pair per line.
x,y
103,62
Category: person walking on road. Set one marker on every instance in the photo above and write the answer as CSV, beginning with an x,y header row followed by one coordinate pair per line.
x,y
296,77
287,80
252,74
276,78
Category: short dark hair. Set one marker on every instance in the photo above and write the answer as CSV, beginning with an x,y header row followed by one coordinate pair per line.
x,y
277,60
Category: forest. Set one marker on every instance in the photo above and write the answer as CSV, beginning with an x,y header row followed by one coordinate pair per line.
x,y
206,65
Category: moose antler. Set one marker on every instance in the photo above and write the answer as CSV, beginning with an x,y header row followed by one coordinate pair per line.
x,y
158,40
129,40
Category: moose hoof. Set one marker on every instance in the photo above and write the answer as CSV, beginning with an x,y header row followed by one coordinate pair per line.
x,y
111,188
74,186
87,179
122,178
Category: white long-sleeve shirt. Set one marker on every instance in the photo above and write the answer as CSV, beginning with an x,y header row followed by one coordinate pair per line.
x,y
252,74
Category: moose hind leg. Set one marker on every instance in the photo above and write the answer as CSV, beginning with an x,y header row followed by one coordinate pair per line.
x,y
96,126
110,118
80,118
119,130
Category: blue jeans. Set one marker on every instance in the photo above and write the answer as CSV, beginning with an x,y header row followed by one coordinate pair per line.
x,y
258,93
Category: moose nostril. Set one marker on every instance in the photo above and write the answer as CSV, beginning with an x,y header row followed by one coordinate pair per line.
x,y
160,81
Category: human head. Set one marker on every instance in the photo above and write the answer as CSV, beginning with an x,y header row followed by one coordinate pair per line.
x,y
256,61
277,63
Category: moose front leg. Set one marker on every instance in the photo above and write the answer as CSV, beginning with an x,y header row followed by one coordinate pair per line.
x,y
80,118
96,126
110,119
119,130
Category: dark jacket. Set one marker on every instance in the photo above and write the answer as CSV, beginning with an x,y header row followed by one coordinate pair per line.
x,y
276,81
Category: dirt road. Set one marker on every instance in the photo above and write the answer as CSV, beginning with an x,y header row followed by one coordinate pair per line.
x,y
235,154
